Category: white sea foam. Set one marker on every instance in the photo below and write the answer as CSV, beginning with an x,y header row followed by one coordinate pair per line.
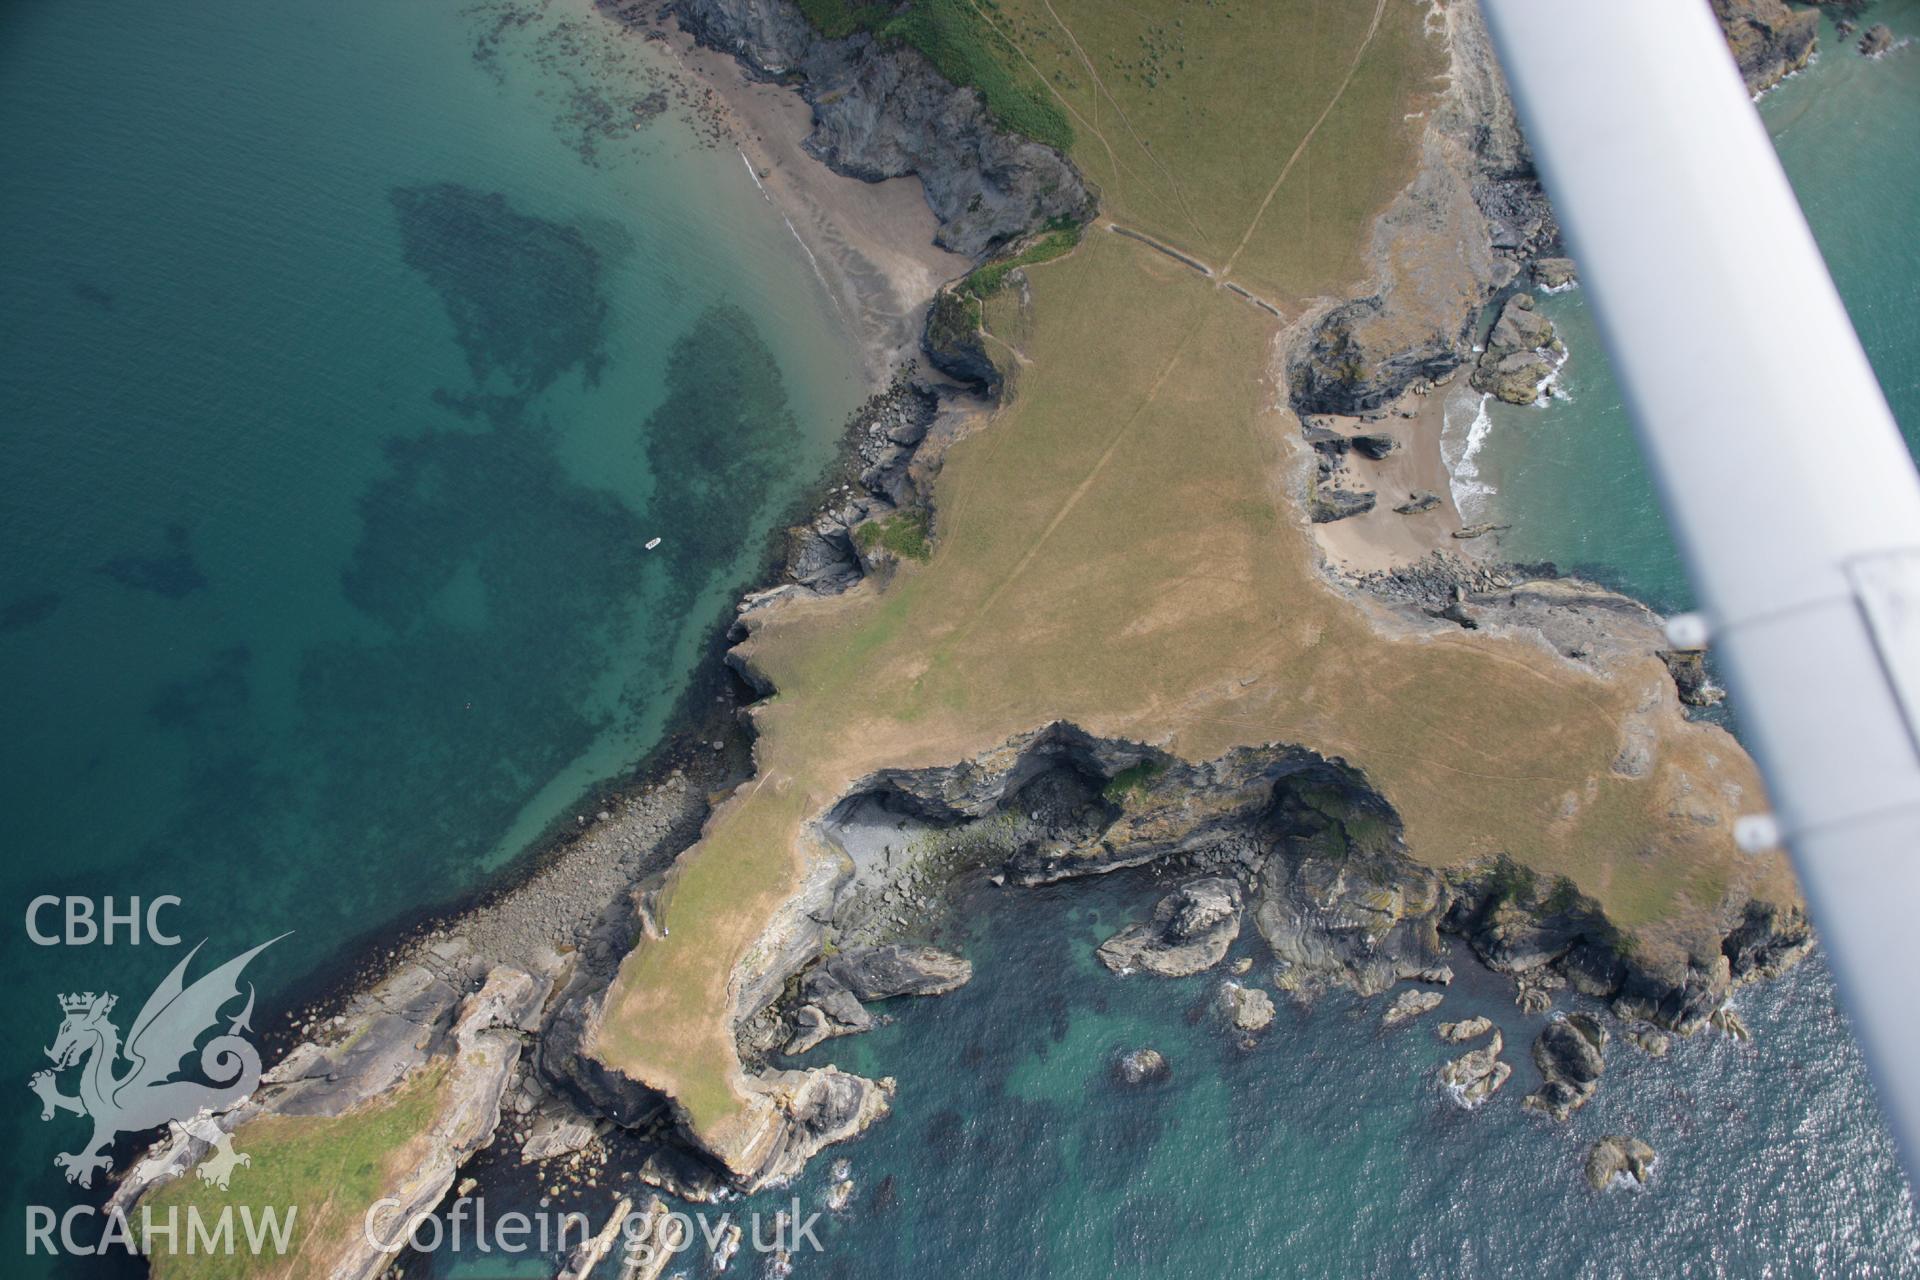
x,y
1459,447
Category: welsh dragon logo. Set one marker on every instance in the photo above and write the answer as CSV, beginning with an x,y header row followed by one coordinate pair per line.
x,y
145,1095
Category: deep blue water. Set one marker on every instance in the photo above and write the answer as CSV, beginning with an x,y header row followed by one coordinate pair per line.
x,y
352,353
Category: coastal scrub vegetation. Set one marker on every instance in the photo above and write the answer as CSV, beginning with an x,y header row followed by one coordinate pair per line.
x,y
904,533
989,278
955,36
332,1168
1132,782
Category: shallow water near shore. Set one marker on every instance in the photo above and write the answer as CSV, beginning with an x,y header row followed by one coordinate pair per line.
x,y
354,353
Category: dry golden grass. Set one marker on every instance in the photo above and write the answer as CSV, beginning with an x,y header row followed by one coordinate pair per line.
x,y
1189,117
329,1170
1122,547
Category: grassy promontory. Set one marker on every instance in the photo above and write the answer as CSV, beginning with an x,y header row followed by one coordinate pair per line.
x,y
1123,544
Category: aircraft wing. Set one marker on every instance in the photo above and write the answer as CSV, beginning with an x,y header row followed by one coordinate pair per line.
x,y
1784,479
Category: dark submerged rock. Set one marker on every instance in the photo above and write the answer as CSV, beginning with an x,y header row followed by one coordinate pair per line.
x,y
1568,1055
880,973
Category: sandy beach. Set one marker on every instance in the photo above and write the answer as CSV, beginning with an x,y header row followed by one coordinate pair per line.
x,y
872,242
1383,538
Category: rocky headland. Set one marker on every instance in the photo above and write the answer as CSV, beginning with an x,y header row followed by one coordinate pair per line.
x,y
1769,39
510,1002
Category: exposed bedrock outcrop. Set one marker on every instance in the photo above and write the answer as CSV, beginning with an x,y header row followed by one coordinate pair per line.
x,y
1521,354
1478,1074
956,346
1768,39
880,973
1300,841
417,1021
1190,930
1619,1160
881,110
1568,1053
1458,234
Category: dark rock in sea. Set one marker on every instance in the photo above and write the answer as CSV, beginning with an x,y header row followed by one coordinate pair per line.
x,y
1247,1008
173,574
1616,1159
1478,1074
1374,444
1651,1042
880,973
1689,670
1768,39
1568,1055
1727,1020
1190,930
1877,40
1465,1030
1140,1067
1768,941
1418,501
881,110
1553,273
1329,504
1409,1005
1520,353
25,611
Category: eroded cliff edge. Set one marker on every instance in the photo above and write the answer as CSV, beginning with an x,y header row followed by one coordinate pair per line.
x,y
881,110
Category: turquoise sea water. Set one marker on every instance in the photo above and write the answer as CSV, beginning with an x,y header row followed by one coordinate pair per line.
x,y
1569,477
352,353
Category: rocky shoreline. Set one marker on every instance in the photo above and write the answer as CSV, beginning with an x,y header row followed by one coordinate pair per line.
x,y
1298,844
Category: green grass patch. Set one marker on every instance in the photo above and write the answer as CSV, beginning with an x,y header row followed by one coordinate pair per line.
x,y
956,39
904,533
1132,782
985,281
836,19
954,319
325,1171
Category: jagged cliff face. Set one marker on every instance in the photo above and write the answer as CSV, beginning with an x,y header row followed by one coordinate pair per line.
x,y
882,111
1298,845
1329,880
1769,40
1453,238
1476,213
